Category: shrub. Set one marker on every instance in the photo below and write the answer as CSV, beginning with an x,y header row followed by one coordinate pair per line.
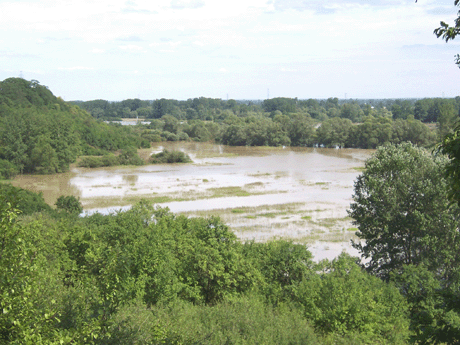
x,y
170,157
7,170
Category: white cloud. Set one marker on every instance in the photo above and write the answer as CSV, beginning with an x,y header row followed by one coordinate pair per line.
x,y
268,37
131,47
76,68
186,4
285,69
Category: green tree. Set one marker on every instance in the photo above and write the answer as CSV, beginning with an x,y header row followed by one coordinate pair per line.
x,y
371,133
7,170
433,318
414,131
334,132
448,32
345,302
44,157
283,265
69,204
447,117
401,208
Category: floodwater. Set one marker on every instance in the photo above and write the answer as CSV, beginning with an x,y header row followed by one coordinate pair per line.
x,y
261,193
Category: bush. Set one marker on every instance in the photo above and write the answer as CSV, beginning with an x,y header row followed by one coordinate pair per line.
x,y
244,320
127,157
170,157
7,170
90,162
69,204
25,201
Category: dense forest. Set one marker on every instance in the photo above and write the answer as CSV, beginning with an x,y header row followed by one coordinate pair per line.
x,y
40,133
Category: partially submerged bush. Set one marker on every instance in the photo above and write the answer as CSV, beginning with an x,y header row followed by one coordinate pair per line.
x,y
166,156
127,156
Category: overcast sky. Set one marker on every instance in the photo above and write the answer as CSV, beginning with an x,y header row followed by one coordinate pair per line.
x,y
180,49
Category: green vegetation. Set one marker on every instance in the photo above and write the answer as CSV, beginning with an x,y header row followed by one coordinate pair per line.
x,y
149,276
127,156
40,133
409,233
289,122
69,204
166,156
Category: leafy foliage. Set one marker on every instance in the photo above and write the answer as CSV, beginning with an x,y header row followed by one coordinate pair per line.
x,y
40,133
410,236
24,201
148,276
69,204
401,209
166,156
346,301
447,32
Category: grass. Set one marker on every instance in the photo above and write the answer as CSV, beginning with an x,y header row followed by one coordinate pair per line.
x,y
253,212
259,174
211,154
228,191
337,237
254,184
177,196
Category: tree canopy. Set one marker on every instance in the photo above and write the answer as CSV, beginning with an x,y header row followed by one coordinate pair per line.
x,y
402,211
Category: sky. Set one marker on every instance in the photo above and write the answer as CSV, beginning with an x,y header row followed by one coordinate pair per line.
x,y
239,49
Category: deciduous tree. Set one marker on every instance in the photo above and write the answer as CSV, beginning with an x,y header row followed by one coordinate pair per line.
x,y
401,208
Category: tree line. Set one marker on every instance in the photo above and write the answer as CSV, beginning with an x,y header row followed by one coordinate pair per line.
x,y
289,121
213,109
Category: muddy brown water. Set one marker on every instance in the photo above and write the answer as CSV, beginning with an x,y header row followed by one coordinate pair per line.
x,y
261,193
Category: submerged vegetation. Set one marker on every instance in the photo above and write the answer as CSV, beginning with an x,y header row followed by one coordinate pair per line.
x,y
166,156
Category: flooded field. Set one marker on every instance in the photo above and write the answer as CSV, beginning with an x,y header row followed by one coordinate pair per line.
x,y
261,193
